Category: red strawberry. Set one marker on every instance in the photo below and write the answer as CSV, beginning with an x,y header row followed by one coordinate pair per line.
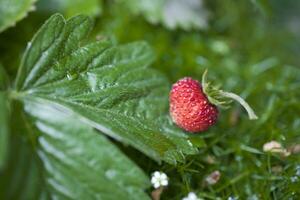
x,y
189,106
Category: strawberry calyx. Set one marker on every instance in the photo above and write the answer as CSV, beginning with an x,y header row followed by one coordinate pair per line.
x,y
223,99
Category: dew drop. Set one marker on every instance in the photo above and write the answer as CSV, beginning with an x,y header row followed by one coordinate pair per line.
x,y
92,80
190,143
71,76
110,174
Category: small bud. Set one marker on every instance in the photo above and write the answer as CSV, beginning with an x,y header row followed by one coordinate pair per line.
x,y
213,178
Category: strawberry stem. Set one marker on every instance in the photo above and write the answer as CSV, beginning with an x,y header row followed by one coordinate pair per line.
x,y
223,99
237,98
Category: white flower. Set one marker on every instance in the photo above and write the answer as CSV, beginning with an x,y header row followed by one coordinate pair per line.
x,y
159,179
275,147
272,146
191,196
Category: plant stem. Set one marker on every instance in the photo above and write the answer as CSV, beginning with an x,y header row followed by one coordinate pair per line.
x,y
237,98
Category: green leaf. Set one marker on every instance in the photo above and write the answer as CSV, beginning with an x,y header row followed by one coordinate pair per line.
x,y
72,7
12,11
55,39
81,164
21,179
4,128
187,14
111,87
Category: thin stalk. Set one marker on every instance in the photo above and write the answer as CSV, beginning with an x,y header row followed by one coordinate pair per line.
x,y
237,98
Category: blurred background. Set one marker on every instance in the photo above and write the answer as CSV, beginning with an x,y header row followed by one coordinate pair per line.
x,y
250,47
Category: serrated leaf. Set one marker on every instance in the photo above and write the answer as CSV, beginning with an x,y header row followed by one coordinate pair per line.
x,y
185,14
111,87
57,38
12,11
81,164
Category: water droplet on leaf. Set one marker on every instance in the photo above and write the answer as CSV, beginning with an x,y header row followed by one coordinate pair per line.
x,y
71,76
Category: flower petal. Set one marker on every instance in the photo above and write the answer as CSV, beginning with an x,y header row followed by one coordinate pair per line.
x,y
156,174
164,182
156,185
154,180
163,176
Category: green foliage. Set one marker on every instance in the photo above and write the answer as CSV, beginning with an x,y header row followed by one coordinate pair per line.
x,y
12,11
110,86
241,55
73,153
77,162
22,178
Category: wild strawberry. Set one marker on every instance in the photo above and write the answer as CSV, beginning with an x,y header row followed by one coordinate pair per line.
x,y
189,106
193,105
